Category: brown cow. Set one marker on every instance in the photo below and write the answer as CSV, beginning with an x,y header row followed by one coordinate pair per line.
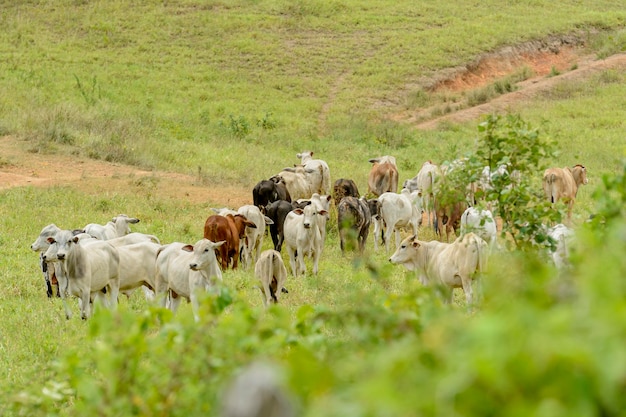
x,y
230,229
450,216
563,183
383,176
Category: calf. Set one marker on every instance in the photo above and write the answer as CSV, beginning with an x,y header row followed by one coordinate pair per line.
x,y
117,227
448,265
303,237
183,270
383,176
563,183
344,188
320,175
353,220
271,271
277,212
87,269
399,211
480,222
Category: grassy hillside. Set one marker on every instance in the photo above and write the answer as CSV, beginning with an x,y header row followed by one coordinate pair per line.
x,y
211,83
237,88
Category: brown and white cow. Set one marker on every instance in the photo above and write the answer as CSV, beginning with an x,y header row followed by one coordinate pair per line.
x,y
383,176
447,265
563,183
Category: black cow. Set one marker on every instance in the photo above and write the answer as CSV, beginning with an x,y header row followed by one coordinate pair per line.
x,y
268,191
277,211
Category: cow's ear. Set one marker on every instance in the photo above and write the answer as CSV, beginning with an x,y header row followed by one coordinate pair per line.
x,y
50,240
187,248
328,197
268,220
322,212
218,244
75,239
416,244
298,211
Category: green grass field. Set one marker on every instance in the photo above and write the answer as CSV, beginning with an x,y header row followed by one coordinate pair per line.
x,y
237,88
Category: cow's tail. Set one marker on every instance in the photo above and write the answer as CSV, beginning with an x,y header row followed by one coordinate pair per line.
x,y
384,183
270,275
551,180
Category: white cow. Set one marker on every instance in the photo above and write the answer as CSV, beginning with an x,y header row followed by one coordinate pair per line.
x,y
87,269
138,266
253,240
133,238
482,223
117,227
271,271
183,270
303,237
399,211
448,265
563,236
320,177
297,181
424,184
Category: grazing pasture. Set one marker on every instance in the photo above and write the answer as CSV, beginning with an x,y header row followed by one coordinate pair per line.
x,y
165,110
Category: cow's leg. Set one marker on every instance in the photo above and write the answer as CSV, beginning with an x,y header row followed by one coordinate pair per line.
x,y
85,305
114,287
174,301
292,261
316,259
300,264
388,232
467,289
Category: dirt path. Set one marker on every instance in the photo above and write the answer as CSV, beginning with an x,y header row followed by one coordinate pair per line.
x,y
527,91
21,168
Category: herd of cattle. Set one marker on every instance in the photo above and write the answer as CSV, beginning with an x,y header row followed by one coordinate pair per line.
x,y
100,261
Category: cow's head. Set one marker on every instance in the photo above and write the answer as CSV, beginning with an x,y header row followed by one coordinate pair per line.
x,y
407,253
203,254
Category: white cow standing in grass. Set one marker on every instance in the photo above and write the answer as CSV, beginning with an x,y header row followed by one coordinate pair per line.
x,y
184,270
271,272
320,172
303,237
482,223
117,227
446,265
87,269
399,211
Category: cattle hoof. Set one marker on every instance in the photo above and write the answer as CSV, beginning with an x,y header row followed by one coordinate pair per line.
x,y
284,290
